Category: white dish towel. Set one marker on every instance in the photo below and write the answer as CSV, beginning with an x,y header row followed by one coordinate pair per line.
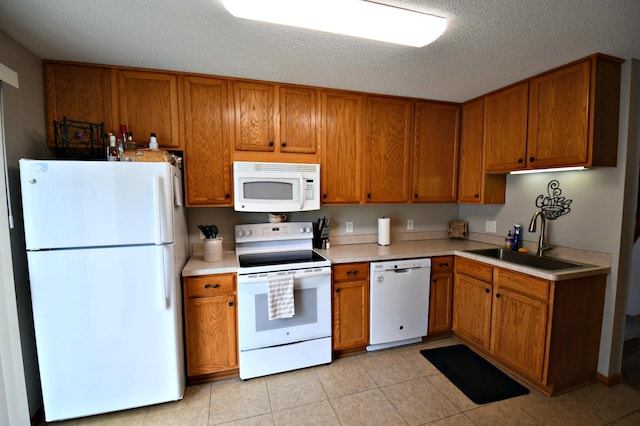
x,y
280,297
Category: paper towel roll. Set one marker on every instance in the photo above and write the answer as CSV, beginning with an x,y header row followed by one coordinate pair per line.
x,y
384,231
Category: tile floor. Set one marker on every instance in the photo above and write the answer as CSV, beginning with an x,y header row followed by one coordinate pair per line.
x,y
394,386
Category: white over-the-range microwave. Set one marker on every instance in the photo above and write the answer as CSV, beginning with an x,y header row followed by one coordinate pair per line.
x,y
276,187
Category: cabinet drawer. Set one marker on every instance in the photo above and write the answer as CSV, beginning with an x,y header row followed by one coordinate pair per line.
x,y
351,272
474,269
523,284
441,264
210,285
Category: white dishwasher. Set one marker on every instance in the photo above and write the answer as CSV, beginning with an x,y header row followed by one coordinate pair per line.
x,y
399,311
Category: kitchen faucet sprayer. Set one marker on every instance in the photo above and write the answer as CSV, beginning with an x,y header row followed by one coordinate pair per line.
x,y
542,241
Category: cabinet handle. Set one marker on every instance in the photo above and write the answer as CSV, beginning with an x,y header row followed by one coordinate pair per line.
x,y
415,195
283,144
271,143
497,295
532,159
520,160
216,285
435,280
352,272
324,195
486,290
230,303
476,196
443,264
227,196
337,290
369,195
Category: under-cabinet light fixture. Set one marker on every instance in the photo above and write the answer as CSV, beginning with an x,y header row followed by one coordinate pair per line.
x,y
357,18
556,169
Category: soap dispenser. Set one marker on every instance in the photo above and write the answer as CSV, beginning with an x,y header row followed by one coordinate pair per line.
x,y
516,238
508,242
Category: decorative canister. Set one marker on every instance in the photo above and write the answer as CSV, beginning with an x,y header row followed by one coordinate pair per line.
x,y
213,249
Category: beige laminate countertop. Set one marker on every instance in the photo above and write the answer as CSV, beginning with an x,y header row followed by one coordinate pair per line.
x,y
401,250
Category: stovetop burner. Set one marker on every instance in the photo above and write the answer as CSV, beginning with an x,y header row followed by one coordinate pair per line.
x,y
278,258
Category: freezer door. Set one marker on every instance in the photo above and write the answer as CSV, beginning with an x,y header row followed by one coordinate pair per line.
x,y
108,329
96,203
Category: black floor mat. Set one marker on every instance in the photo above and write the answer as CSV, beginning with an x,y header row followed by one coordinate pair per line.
x,y
480,381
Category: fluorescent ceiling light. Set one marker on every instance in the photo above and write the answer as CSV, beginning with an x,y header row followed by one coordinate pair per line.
x,y
357,18
557,169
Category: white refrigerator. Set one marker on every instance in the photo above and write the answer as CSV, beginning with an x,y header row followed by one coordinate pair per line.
x,y
106,242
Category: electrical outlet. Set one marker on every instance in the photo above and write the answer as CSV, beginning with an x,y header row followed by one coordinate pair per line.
x,y
490,226
409,224
349,228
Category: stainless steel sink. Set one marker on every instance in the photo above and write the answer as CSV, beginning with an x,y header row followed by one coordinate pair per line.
x,y
524,259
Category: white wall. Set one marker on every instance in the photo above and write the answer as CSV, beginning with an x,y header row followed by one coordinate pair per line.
x,y
427,217
25,137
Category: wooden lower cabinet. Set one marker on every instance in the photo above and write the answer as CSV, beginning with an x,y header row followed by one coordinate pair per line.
x,y
545,332
350,306
441,295
210,326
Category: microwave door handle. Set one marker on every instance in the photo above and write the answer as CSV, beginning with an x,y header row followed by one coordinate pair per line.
x,y
301,192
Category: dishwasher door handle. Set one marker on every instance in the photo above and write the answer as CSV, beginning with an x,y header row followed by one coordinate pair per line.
x,y
403,271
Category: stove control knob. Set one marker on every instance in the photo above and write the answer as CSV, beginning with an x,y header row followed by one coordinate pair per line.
x,y
249,232
306,229
241,233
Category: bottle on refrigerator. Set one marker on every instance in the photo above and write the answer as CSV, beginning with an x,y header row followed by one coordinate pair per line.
x,y
112,151
153,142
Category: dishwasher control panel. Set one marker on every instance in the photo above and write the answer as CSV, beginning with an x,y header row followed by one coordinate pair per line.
x,y
400,264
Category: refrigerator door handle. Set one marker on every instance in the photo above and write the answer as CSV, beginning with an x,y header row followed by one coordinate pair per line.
x,y
166,281
157,201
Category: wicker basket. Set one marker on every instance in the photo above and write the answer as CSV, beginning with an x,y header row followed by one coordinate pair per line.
x,y
147,155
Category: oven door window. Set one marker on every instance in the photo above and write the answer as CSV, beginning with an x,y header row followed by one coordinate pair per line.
x,y
312,319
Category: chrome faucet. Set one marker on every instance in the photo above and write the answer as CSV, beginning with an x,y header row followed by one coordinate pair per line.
x,y
542,241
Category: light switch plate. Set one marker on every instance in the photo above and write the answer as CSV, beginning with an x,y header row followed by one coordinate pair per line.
x,y
349,227
490,226
409,224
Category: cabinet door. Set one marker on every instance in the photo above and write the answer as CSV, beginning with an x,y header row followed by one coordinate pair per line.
x,y
474,186
254,116
351,314
519,331
210,328
472,309
342,147
207,151
81,93
440,302
435,164
559,117
298,120
388,150
149,104
505,129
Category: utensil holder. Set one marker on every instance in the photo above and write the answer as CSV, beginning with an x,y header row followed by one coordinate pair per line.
x,y
213,250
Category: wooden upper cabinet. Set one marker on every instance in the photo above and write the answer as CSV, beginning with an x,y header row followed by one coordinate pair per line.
x,y
573,115
81,93
475,186
505,129
148,104
342,161
435,164
207,153
388,148
298,120
254,106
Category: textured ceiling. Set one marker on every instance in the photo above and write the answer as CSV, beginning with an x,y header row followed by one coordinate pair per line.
x,y
488,43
